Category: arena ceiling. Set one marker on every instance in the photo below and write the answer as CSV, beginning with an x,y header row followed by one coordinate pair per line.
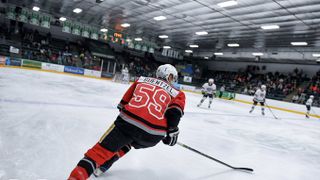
x,y
298,20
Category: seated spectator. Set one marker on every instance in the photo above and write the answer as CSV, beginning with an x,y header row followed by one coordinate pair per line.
x,y
295,98
302,98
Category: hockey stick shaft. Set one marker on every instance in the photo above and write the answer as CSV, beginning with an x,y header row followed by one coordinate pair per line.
x,y
214,159
271,111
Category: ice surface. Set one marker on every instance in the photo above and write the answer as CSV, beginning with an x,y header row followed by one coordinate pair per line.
x,y
47,122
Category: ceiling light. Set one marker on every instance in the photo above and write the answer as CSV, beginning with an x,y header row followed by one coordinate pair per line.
x,y
228,3
233,45
163,36
35,8
257,54
128,40
77,10
206,57
201,33
194,46
62,19
166,47
138,39
104,30
316,55
125,25
267,27
218,53
159,18
299,43
188,51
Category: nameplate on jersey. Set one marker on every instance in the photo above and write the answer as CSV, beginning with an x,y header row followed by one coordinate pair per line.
x,y
160,83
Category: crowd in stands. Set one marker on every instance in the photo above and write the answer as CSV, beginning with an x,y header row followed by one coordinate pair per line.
x,y
278,85
313,88
38,47
45,48
140,66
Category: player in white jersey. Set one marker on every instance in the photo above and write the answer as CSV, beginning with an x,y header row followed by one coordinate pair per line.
x,y
125,75
308,105
208,89
259,97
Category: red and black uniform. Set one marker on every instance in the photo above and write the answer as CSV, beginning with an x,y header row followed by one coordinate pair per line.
x,y
148,109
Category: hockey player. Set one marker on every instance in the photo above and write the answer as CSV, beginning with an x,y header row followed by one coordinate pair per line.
x,y
125,75
150,111
208,89
308,105
259,97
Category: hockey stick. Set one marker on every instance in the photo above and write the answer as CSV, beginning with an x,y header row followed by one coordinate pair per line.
x,y
207,156
271,111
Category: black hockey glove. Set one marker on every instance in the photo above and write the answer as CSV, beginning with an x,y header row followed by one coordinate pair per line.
x,y
172,137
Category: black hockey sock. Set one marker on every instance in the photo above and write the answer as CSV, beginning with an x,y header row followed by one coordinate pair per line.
x,y
88,164
104,167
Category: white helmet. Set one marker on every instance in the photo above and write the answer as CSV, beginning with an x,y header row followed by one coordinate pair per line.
x,y
311,96
210,81
165,70
263,87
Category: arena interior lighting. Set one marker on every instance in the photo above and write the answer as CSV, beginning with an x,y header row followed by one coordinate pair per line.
x,y
62,19
36,8
299,43
257,54
228,3
163,36
194,46
138,39
77,10
104,30
159,18
233,45
200,33
269,27
125,25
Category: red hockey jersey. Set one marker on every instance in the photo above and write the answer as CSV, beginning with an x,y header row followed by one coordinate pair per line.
x,y
146,102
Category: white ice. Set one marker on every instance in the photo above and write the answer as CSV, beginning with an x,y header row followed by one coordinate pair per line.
x,y
48,121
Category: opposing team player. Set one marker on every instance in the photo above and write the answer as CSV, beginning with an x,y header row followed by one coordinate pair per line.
x,y
150,111
308,105
259,97
125,75
208,90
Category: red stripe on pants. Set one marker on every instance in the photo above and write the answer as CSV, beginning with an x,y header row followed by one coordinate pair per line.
x,y
99,154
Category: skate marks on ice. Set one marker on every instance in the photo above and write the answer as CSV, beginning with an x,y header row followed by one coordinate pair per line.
x,y
43,103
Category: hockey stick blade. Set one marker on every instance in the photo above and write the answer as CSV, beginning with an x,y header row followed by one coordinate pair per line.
x,y
243,169
214,159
